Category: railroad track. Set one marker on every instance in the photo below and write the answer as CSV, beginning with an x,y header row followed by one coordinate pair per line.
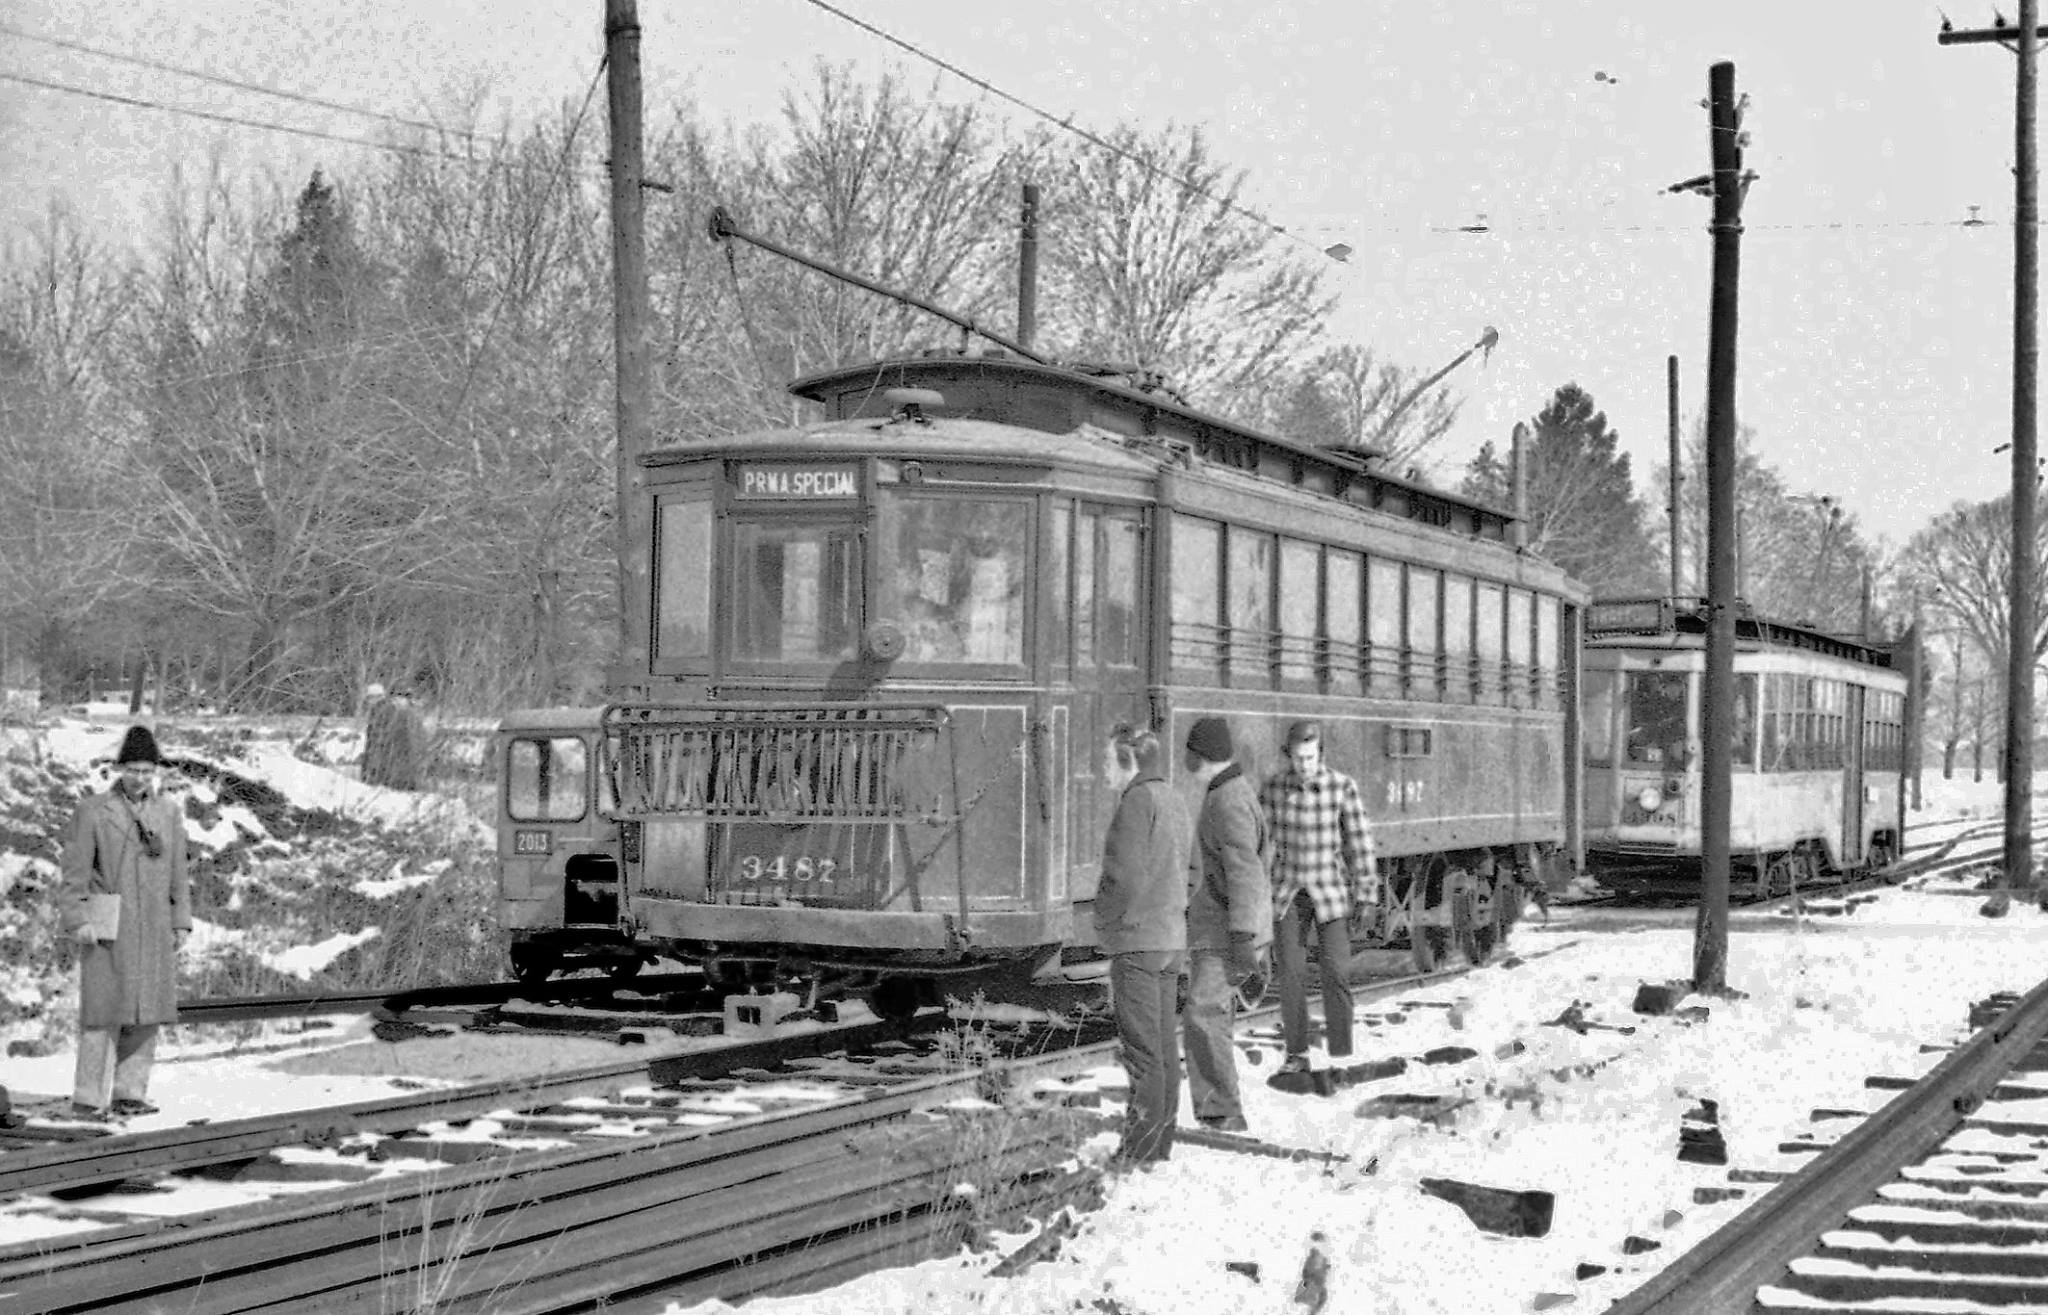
x,y
600,1186
1937,1202
227,1009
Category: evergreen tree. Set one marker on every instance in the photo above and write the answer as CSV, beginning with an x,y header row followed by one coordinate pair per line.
x,y
1584,512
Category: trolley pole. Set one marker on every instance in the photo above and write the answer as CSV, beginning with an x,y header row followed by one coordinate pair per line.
x,y
1710,939
2024,40
630,336
1677,475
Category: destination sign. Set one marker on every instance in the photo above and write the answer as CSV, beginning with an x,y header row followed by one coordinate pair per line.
x,y
1640,616
800,483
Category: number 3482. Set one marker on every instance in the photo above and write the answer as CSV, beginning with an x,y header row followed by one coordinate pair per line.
x,y
803,868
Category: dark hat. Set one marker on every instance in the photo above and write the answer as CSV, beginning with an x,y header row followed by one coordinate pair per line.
x,y
1209,740
138,746
1304,732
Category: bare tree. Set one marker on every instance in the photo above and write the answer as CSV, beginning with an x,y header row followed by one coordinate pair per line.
x,y
63,531
1153,266
1346,396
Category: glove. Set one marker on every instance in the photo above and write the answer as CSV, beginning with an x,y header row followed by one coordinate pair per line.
x,y
1245,956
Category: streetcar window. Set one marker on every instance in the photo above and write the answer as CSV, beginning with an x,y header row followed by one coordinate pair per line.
x,y
682,575
1250,588
1197,555
1300,584
798,592
1424,601
1521,647
1117,630
1657,719
1384,610
546,780
1743,732
1457,637
1548,659
953,576
1061,616
1342,572
1596,717
1491,649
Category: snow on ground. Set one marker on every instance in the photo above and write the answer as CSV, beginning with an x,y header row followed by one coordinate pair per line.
x,y
1593,1118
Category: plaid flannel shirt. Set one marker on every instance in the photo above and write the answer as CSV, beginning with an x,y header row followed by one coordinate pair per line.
x,y
1322,842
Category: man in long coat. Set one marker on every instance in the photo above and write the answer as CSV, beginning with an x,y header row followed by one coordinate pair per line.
x,y
1141,912
129,843
1230,919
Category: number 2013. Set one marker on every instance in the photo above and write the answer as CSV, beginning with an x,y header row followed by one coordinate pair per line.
x,y
804,868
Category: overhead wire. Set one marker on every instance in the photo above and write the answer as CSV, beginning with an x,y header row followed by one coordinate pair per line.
x,y
1067,125
238,120
257,88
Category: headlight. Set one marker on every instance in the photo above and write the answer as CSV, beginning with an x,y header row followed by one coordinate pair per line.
x,y
1650,799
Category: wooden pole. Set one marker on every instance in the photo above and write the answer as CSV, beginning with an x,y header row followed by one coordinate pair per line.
x,y
630,341
1710,941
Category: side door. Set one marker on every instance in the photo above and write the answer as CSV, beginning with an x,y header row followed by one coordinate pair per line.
x,y
1852,775
1112,617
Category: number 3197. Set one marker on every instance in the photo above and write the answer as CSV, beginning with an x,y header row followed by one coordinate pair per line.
x,y
803,868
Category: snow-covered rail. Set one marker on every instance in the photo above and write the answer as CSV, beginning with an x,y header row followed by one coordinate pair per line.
x,y
1936,1202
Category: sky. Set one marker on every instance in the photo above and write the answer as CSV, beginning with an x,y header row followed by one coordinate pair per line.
x,y
1827,1001
1875,327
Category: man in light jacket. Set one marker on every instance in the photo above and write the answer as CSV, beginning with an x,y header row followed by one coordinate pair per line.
x,y
129,843
1141,909
1230,921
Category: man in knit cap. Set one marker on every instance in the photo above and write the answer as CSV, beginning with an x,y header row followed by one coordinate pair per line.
x,y
123,899
1230,920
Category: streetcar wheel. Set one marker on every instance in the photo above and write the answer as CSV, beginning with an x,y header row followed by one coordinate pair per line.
x,y
896,999
533,966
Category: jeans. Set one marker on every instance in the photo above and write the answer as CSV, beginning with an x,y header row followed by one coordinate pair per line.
x,y
1210,1021
1333,941
1143,990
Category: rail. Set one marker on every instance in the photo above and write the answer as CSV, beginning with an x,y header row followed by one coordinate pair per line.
x,y
1724,1271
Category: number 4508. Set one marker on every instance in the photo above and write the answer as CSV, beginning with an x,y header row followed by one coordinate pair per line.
x,y
753,867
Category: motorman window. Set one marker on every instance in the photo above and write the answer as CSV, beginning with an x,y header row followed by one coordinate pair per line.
x,y
953,575
797,591
547,779
682,576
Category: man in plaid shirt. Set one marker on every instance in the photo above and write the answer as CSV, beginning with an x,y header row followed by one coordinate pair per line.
x,y
1323,866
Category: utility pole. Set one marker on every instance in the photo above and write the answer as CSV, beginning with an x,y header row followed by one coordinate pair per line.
x,y
630,337
1728,182
2024,41
1677,476
1027,268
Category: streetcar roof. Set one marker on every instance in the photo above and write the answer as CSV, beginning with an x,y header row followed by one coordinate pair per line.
x,y
1055,399
1672,621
